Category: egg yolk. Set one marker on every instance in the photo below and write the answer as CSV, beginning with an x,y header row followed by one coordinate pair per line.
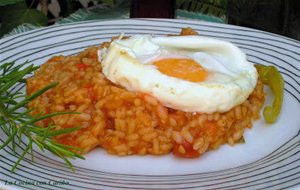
x,y
186,69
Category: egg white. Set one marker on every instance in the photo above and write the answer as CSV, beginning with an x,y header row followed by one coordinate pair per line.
x,y
232,78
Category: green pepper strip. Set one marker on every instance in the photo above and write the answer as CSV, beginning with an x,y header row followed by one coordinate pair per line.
x,y
272,77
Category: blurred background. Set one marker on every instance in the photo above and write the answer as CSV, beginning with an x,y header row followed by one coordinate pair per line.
x,y
277,16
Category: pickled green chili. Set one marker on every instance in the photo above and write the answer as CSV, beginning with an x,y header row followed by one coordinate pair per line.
x,y
272,77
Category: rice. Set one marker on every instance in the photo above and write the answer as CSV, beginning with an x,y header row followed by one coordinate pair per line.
x,y
126,123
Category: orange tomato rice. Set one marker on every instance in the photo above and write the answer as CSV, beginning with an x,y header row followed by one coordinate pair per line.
x,y
127,123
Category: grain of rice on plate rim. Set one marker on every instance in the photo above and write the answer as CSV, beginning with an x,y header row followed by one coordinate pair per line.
x,y
126,123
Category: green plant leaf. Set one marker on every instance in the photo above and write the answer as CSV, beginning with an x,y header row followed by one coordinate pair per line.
x,y
12,16
9,2
209,7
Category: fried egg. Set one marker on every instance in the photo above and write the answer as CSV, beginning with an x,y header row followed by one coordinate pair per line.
x,y
187,73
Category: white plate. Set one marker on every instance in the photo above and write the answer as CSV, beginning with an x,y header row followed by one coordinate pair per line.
x,y
269,159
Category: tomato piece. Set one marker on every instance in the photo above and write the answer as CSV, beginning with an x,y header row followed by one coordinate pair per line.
x,y
91,92
189,151
81,66
186,145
